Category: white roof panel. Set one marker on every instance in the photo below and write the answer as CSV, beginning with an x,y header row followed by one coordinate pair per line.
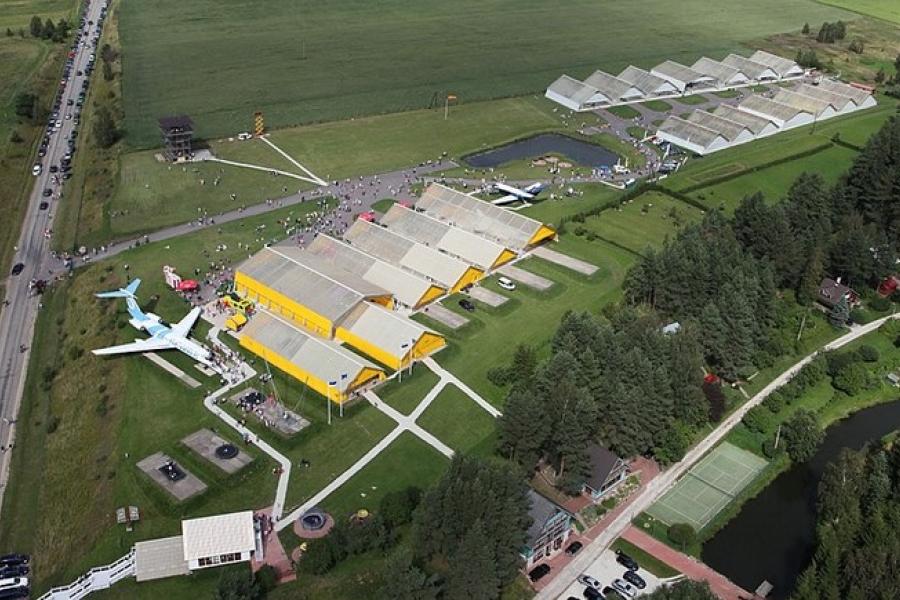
x,y
384,329
612,87
647,82
783,66
679,72
750,68
219,534
754,123
690,132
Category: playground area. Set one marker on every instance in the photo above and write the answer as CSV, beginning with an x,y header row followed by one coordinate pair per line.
x,y
708,487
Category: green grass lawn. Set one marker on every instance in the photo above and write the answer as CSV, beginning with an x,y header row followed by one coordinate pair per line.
x,y
305,62
887,10
636,132
624,112
759,89
645,560
530,317
408,461
691,100
775,181
657,105
406,395
459,422
644,221
383,205
592,195
727,94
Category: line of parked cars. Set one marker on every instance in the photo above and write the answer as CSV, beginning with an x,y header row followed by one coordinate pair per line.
x,y
13,571
621,588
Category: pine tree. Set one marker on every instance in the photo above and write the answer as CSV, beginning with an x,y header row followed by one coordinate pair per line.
x,y
686,377
403,579
36,26
840,313
805,30
808,286
471,574
523,428
49,30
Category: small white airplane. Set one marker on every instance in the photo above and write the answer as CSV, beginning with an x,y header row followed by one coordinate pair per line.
x,y
162,337
514,194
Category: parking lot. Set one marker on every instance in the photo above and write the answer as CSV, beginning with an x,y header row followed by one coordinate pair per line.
x,y
605,570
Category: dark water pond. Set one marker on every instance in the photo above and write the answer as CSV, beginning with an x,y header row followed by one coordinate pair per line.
x,y
577,151
773,536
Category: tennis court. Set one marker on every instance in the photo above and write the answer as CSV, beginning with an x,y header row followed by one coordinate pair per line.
x,y
708,486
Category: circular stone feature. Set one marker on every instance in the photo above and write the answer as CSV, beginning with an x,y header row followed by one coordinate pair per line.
x,y
226,451
313,520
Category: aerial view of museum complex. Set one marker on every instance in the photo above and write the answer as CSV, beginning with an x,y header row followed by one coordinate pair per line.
x,y
475,300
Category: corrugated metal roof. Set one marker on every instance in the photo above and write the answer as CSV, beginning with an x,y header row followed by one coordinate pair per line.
x,y
690,132
321,294
750,68
612,87
571,88
723,73
754,123
859,96
384,329
219,534
782,66
679,72
505,227
396,249
839,101
407,288
730,130
645,81
457,242
777,110
816,106
322,359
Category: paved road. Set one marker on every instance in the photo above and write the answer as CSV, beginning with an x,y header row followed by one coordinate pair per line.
x,y
665,480
33,250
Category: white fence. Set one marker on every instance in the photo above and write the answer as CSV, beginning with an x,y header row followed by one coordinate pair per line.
x,y
98,578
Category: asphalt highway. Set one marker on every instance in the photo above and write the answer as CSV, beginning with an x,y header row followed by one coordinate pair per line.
x,y
21,305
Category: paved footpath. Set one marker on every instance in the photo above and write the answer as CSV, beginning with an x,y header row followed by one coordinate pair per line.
x,y
691,567
667,479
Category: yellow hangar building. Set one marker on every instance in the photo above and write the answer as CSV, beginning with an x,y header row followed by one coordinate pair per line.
x,y
505,227
446,271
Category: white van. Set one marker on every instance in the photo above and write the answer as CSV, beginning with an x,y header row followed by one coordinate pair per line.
x,y
13,582
506,283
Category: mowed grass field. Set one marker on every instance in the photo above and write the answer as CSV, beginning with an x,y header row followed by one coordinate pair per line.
x,y
888,10
644,222
302,61
459,422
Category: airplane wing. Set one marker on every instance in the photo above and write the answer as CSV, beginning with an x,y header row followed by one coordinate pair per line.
x,y
148,345
506,200
513,190
183,327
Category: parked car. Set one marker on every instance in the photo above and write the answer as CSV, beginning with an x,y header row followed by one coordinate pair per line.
x,y
14,559
15,592
589,581
42,206
17,268
54,169
506,283
591,594
36,169
611,594
626,561
47,193
574,548
624,588
14,571
634,579
467,305
538,572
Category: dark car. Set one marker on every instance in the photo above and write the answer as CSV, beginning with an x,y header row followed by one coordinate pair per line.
x,y
592,594
574,548
538,572
15,559
54,169
17,268
634,579
43,205
467,305
16,592
611,594
47,192
626,561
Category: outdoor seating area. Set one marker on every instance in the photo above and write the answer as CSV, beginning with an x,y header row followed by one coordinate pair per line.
x,y
180,483
269,411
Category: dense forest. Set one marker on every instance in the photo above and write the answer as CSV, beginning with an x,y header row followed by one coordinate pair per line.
x,y
730,283
857,556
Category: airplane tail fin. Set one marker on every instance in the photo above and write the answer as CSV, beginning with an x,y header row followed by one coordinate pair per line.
x,y
127,292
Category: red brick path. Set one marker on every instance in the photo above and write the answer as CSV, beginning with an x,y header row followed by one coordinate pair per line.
x,y
691,567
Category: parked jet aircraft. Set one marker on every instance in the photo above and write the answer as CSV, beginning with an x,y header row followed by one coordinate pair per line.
x,y
514,194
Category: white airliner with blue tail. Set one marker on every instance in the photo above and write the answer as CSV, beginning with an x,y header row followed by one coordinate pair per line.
x,y
162,337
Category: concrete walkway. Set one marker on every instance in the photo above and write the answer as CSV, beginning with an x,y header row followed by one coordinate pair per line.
x,y
667,479
313,177
449,377
243,165
691,567
408,422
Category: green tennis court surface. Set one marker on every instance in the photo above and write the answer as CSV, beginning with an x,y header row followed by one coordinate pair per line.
x,y
708,486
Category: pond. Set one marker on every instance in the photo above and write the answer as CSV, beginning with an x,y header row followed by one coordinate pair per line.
x,y
577,151
773,537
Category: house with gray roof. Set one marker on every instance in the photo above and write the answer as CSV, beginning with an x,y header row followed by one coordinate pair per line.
x,y
550,527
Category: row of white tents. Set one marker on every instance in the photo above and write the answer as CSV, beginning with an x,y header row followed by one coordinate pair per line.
x,y
758,116
670,79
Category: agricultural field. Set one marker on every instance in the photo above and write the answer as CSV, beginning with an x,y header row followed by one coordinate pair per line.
x,y
302,62
887,10
774,181
645,221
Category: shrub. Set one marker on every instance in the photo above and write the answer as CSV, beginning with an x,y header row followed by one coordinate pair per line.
x,y
682,534
852,379
769,449
499,376
267,577
880,304
52,424
802,435
774,401
396,508
580,231
860,316
757,418
836,361
868,353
